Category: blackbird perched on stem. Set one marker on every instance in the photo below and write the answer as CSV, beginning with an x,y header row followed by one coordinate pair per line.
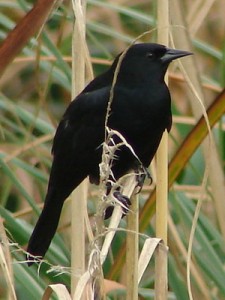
x,y
140,111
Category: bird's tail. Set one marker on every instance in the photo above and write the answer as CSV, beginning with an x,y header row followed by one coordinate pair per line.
x,y
44,230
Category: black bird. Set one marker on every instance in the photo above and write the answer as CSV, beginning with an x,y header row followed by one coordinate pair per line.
x,y
140,111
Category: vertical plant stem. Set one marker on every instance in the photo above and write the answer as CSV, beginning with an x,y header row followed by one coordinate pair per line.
x,y
79,196
132,250
161,281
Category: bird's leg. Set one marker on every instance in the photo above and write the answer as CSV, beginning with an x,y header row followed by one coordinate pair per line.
x,y
125,203
124,200
141,175
109,210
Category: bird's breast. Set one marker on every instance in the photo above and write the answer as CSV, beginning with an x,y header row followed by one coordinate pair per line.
x,y
140,109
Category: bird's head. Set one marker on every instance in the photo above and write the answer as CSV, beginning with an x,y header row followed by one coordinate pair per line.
x,y
141,61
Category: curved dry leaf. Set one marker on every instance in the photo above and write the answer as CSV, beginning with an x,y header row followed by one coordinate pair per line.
x,y
59,289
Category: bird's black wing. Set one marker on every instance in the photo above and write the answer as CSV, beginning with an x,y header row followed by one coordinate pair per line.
x,y
76,155
79,133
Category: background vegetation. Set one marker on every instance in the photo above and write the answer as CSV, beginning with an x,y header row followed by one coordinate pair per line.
x,y
36,89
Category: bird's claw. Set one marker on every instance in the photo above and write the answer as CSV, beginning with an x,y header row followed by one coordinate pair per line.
x,y
140,178
125,203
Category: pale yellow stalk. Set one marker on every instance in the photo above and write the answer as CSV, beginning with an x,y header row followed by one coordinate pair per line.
x,y
132,250
161,280
79,196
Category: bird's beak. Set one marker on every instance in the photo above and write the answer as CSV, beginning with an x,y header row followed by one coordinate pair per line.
x,y
172,54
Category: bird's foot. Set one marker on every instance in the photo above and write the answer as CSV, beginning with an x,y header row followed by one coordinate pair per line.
x,y
140,178
125,204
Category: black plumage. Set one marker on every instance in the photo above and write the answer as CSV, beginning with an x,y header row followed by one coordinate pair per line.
x,y
140,111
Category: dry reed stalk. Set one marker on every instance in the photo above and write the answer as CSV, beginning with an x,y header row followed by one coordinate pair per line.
x,y
132,224
161,272
127,183
132,250
79,196
128,187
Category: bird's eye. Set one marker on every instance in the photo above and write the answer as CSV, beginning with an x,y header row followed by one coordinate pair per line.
x,y
149,55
